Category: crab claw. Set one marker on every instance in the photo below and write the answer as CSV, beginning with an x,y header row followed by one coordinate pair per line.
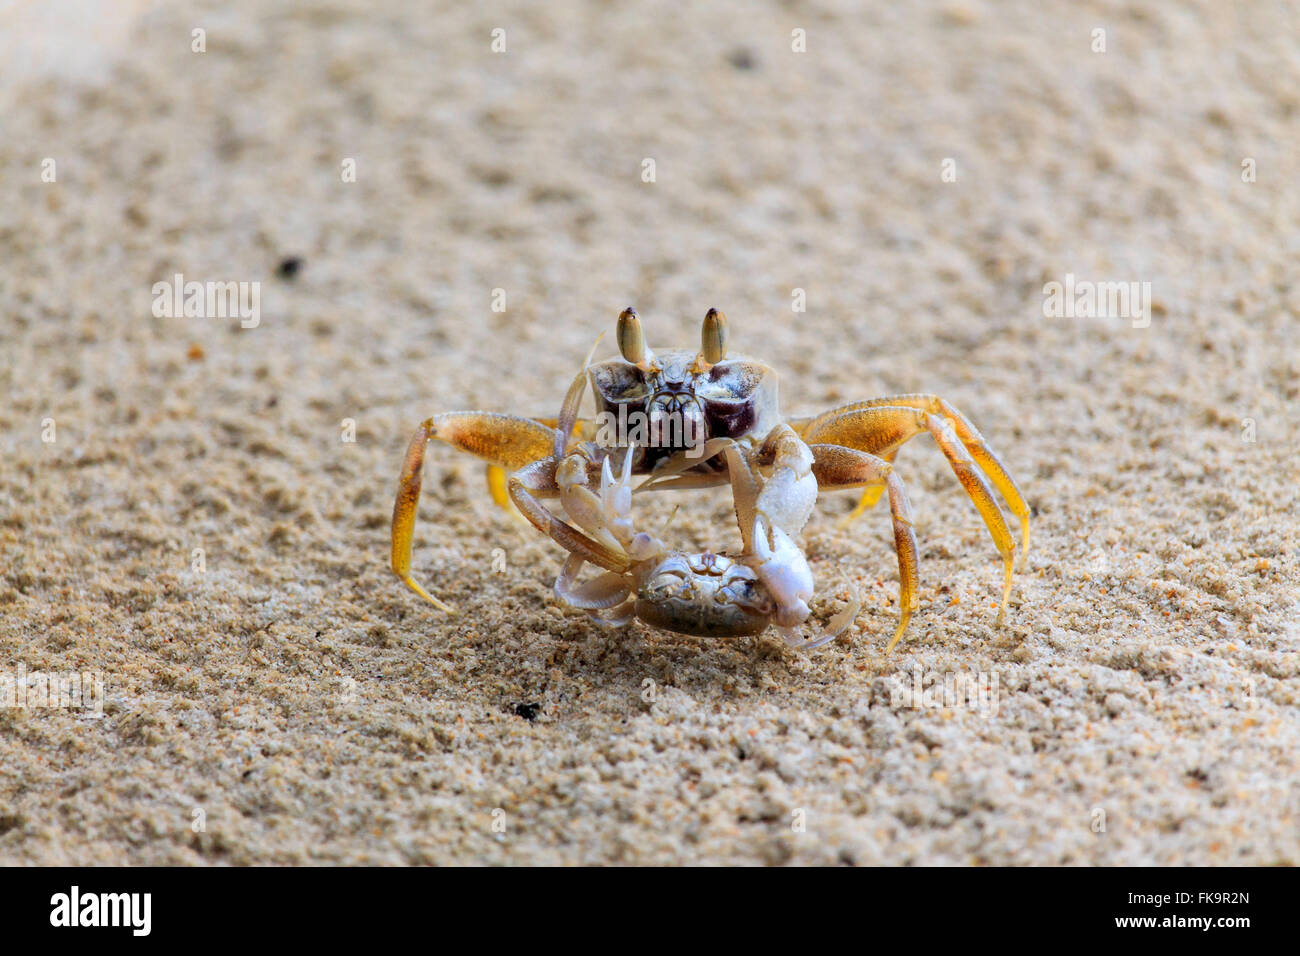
x,y
616,497
583,507
784,572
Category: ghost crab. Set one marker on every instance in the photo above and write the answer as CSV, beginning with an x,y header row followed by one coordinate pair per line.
x,y
706,420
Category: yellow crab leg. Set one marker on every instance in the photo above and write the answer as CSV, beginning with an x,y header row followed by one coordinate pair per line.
x,y
870,495
874,429
504,440
838,467
496,482
966,432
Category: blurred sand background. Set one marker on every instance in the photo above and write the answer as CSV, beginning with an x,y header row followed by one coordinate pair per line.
x,y
315,711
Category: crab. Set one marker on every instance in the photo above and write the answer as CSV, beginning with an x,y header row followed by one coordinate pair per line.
x,y
696,419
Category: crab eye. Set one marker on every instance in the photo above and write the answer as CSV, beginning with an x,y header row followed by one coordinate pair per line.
x,y
713,337
631,338
617,383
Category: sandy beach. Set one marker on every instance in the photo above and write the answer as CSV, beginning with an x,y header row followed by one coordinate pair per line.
x,y
194,509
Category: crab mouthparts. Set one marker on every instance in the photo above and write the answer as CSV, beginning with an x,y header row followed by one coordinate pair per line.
x,y
677,421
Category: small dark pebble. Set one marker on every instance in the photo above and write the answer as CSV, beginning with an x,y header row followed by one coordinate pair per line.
x,y
527,711
741,59
289,267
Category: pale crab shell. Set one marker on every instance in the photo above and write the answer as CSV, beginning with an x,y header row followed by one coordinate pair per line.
x,y
705,595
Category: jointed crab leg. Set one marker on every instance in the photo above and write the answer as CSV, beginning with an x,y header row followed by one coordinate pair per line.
x,y
870,495
599,594
496,474
885,443
883,428
769,510
496,482
790,491
674,471
504,440
539,478
568,417
838,467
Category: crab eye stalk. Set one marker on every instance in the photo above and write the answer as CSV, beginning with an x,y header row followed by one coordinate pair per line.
x,y
631,337
713,337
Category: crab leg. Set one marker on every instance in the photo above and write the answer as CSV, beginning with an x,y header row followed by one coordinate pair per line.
x,y
885,441
568,417
790,491
539,478
503,440
672,472
564,475
786,496
886,427
769,510
496,474
598,594
870,495
765,508
496,482
838,467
